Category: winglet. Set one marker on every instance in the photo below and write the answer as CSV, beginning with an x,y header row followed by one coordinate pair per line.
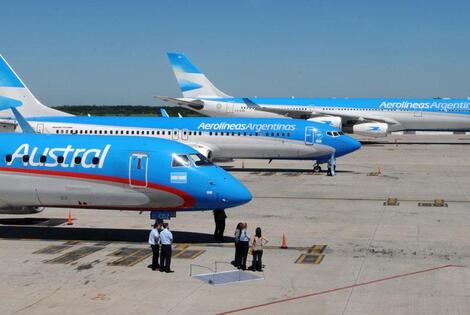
x,y
10,103
164,113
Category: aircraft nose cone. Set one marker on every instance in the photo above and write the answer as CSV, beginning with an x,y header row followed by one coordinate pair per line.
x,y
234,193
352,145
355,144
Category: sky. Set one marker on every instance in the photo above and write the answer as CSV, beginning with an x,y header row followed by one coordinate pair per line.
x,y
114,52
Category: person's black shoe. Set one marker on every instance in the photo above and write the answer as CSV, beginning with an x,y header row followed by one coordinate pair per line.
x,y
161,270
169,271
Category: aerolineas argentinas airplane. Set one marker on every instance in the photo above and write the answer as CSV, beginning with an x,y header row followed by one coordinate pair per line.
x,y
217,139
369,117
126,173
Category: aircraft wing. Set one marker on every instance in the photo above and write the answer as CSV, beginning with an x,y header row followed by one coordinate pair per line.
x,y
196,104
319,113
284,112
357,118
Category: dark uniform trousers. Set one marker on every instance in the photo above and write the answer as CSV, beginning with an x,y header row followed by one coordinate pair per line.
x,y
165,258
156,252
244,246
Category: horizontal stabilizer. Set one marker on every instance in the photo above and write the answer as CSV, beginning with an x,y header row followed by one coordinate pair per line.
x,y
10,103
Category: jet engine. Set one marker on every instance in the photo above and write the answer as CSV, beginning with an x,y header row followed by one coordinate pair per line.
x,y
206,151
375,130
333,121
20,210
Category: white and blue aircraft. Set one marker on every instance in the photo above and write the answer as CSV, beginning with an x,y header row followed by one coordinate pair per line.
x,y
98,172
365,116
216,138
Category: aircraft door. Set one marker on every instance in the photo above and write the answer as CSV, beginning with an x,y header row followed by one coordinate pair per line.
x,y
40,128
229,107
138,166
184,134
174,134
418,113
312,136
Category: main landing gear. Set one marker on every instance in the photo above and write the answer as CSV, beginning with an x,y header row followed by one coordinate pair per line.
x,y
331,162
317,168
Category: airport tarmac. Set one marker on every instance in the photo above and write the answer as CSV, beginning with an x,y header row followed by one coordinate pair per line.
x,y
407,257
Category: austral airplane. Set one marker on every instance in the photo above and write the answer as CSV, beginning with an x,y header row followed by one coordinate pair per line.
x,y
374,117
216,138
98,172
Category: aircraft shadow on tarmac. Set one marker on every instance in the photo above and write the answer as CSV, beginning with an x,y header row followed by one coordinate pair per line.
x,y
42,228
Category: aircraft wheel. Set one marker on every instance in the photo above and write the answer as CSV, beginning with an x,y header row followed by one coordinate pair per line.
x,y
317,169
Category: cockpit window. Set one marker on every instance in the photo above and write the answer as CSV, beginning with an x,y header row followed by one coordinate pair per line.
x,y
341,133
180,160
334,133
200,160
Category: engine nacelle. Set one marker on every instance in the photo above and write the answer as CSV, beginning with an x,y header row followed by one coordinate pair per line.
x,y
207,152
333,121
375,130
20,210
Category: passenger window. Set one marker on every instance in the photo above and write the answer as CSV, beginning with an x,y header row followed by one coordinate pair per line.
x,y
200,160
8,158
77,160
95,160
180,160
43,159
60,159
25,158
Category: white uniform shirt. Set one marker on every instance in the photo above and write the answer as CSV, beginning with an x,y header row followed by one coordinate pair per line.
x,y
244,236
166,238
154,237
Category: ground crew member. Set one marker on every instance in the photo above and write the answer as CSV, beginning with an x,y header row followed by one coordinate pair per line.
x,y
154,241
166,239
219,218
331,166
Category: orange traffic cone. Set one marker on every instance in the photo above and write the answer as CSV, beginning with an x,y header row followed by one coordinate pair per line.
x,y
69,219
284,241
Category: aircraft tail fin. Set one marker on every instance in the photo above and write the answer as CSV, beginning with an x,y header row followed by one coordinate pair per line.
x,y
11,86
192,82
